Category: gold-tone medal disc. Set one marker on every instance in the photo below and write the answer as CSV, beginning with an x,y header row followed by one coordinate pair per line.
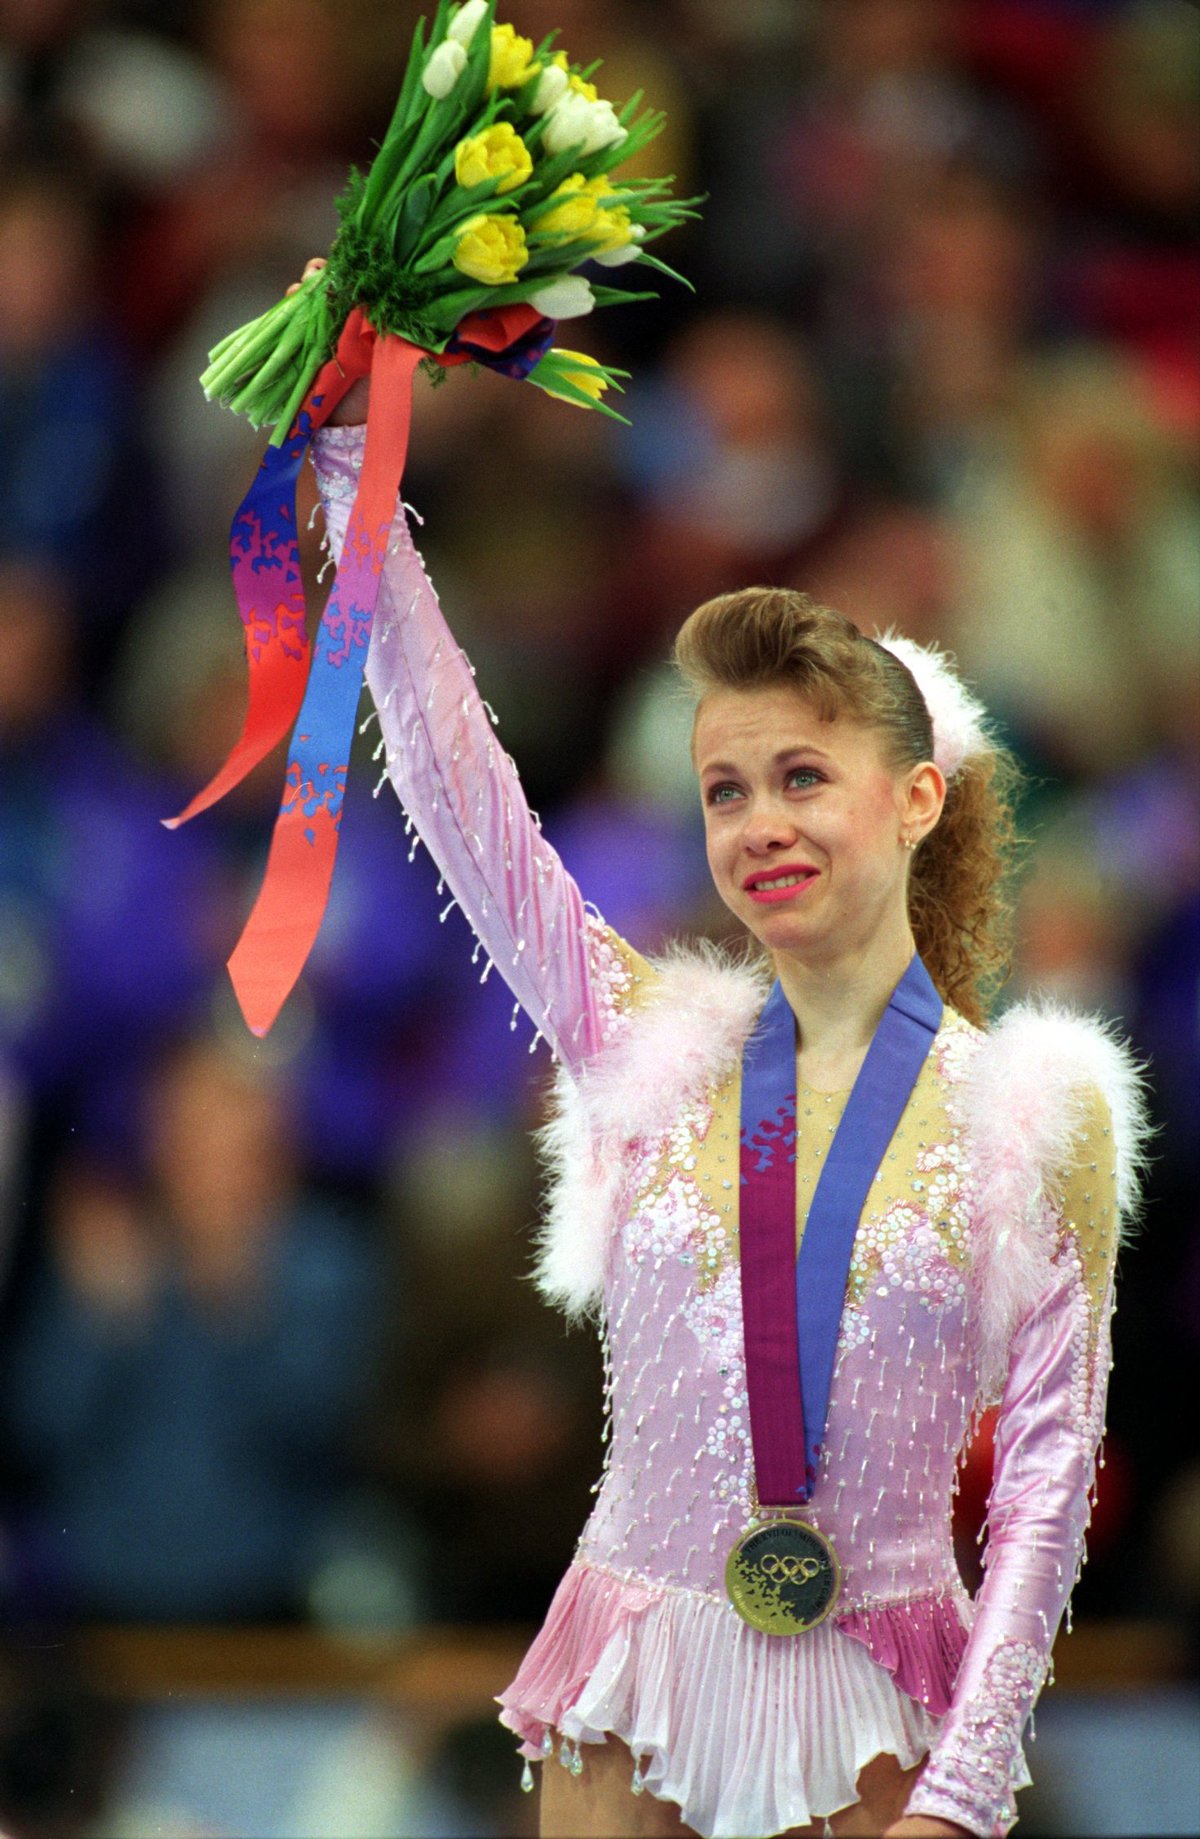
x,y
783,1577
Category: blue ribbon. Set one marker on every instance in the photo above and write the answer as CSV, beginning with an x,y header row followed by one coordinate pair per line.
x,y
873,1110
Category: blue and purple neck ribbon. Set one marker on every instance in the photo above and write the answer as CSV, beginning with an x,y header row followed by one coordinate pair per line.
x,y
792,1304
314,691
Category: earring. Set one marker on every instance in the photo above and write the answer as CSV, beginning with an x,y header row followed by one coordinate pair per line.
x,y
910,842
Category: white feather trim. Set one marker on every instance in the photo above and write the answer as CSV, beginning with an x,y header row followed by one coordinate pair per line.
x,y
683,1038
1024,1106
959,719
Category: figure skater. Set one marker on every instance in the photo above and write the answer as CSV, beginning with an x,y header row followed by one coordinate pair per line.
x,y
821,1216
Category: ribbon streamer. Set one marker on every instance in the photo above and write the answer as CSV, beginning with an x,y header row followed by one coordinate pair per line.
x,y
321,697
264,561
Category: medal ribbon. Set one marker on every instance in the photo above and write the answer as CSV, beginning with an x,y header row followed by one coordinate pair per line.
x,y
792,1306
321,697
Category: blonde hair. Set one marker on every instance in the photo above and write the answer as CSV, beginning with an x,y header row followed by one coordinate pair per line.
x,y
959,899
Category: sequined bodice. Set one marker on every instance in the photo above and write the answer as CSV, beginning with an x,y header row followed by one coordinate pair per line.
x,y
678,1486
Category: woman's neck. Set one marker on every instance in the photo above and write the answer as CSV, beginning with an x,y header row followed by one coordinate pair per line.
x,y
838,1006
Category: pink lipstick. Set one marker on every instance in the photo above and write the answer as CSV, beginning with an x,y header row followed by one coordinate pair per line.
x,y
768,886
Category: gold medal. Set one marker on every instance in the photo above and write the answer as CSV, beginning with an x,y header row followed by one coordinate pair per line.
x,y
783,1577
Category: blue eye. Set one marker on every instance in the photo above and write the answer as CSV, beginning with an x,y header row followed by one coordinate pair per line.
x,y
720,794
807,774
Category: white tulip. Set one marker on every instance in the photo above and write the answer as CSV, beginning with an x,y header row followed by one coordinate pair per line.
x,y
627,252
576,122
617,258
604,130
569,297
444,69
551,87
466,21
566,125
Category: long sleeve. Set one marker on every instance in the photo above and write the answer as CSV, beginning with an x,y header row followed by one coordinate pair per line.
x,y
461,790
1047,1433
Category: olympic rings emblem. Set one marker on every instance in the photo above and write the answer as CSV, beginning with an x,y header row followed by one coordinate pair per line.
x,y
784,1568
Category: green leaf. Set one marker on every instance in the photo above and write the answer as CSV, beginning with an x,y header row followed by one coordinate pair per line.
x,y
415,159
551,172
473,82
619,296
626,115
441,23
413,72
563,390
401,129
466,201
652,261
548,260
450,307
607,158
414,213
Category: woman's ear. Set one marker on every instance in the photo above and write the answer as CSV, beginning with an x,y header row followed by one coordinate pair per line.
x,y
925,796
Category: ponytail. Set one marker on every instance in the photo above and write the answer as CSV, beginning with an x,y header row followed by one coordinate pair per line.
x,y
960,891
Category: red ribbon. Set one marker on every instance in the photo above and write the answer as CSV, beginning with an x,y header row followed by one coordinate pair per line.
x,y
316,693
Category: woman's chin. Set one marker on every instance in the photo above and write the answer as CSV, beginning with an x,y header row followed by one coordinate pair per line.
x,y
788,932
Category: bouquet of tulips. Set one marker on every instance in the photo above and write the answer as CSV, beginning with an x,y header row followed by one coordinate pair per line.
x,y
491,188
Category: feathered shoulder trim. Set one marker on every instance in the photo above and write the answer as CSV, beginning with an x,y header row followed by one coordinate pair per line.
x,y
685,1035
1028,1097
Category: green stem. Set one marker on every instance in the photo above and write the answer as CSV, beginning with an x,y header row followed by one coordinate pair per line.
x,y
242,334
249,344
292,341
287,414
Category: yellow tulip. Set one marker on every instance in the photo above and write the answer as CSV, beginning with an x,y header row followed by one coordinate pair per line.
x,y
576,215
512,59
496,153
584,372
491,249
615,226
584,214
582,88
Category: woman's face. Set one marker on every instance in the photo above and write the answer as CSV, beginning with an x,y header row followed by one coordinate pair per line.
x,y
805,822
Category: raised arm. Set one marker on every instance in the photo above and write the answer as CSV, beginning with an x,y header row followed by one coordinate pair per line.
x,y
1047,1433
461,790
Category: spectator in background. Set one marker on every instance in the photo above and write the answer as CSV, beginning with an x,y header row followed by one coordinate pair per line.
x,y
1079,544
731,459
957,273
190,1362
105,921
284,87
68,457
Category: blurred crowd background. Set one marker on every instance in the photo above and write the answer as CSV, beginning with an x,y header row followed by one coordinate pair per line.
x,y
269,1351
